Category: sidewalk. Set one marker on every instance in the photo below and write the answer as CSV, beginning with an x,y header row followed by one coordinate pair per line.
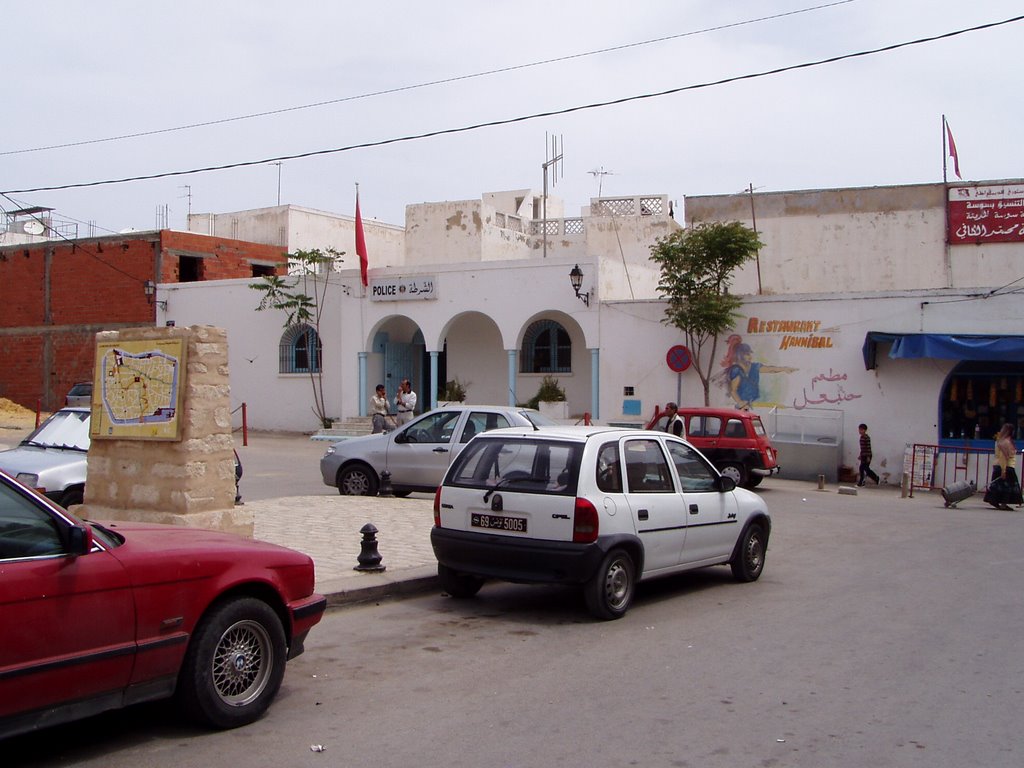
x,y
327,528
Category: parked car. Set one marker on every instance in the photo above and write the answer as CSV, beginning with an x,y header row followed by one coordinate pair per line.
x,y
80,394
735,441
417,454
598,507
101,616
53,458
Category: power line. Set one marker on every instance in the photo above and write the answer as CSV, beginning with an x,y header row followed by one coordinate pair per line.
x,y
400,89
522,118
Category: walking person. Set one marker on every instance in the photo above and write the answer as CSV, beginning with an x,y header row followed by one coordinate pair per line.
x,y
1004,487
405,402
865,456
379,408
674,425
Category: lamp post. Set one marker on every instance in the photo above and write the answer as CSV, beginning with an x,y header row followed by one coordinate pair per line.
x,y
576,279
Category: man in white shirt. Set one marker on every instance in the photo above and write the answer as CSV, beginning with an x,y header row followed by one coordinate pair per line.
x,y
379,408
405,402
674,425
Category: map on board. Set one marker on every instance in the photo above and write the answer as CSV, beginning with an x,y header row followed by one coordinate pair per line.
x,y
138,384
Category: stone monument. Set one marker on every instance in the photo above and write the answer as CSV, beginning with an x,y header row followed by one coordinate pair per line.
x,y
162,449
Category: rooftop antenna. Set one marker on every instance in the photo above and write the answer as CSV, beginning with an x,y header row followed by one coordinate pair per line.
x,y
599,174
550,161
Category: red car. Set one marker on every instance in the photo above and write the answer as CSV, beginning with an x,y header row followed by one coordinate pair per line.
x,y
735,441
97,617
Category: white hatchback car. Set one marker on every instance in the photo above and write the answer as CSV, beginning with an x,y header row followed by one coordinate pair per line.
x,y
600,507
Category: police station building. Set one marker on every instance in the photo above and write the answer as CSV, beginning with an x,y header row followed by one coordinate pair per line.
x,y
895,306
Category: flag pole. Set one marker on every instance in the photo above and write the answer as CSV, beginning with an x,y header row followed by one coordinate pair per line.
x,y
945,151
945,208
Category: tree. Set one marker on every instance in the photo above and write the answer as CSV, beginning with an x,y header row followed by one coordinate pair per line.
x,y
697,265
301,296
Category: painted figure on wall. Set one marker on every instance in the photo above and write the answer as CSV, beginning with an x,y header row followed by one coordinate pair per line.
x,y
743,375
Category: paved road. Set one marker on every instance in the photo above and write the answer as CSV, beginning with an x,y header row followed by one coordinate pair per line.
x,y
884,632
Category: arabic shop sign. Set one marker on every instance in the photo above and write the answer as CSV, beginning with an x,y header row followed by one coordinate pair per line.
x,y
403,288
986,214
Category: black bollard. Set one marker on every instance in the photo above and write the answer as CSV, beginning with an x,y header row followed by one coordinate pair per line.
x,y
385,484
369,558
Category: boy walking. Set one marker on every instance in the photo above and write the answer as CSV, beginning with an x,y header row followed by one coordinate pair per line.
x,y
865,456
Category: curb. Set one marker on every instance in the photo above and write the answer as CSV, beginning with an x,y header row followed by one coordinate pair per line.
x,y
370,587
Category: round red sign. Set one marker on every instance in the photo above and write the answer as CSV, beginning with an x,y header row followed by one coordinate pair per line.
x,y
678,358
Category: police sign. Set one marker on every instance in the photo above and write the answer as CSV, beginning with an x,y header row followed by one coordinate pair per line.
x,y
403,288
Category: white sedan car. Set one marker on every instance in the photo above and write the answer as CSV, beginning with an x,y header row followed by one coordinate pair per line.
x,y
416,455
599,507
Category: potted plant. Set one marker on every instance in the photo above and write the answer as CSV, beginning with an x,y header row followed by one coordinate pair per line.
x,y
550,399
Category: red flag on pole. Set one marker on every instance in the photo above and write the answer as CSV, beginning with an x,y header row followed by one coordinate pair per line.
x,y
952,152
360,242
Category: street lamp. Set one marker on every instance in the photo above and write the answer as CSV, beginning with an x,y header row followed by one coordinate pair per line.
x,y
576,278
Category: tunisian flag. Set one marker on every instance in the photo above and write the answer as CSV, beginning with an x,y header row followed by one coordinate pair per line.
x,y
952,151
361,243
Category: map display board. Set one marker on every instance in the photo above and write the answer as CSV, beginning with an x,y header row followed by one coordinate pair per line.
x,y
138,389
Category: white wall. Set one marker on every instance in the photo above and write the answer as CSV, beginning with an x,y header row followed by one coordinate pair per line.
x,y
868,239
298,228
274,401
899,400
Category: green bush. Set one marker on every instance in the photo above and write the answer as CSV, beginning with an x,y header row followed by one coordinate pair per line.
x,y
549,392
454,391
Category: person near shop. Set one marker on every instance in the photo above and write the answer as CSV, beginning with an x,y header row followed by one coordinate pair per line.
x,y
379,408
865,456
405,402
1004,487
674,424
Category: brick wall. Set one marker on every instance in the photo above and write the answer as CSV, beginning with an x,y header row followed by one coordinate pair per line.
x,y
55,296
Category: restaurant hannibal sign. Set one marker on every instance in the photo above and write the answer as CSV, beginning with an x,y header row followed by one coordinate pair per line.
x,y
986,214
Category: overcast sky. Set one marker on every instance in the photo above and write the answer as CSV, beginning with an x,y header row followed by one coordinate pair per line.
x,y
81,71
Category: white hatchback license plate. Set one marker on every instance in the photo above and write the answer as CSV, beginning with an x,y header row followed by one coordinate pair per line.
x,y
498,522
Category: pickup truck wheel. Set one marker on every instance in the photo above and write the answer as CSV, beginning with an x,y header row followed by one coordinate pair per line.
x,y
609,593
234,665
748,563
753,481
458,585
357,480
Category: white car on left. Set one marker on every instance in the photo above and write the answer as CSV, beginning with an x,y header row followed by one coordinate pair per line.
x,y
416,455
52,459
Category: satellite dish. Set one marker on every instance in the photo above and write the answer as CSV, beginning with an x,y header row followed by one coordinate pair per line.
x,y
33,227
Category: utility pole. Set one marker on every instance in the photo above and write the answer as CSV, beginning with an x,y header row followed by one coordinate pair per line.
x,y
188,195
753,219
551,162
278,164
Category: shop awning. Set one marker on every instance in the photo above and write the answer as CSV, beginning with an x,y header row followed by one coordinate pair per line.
x,y
943,346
